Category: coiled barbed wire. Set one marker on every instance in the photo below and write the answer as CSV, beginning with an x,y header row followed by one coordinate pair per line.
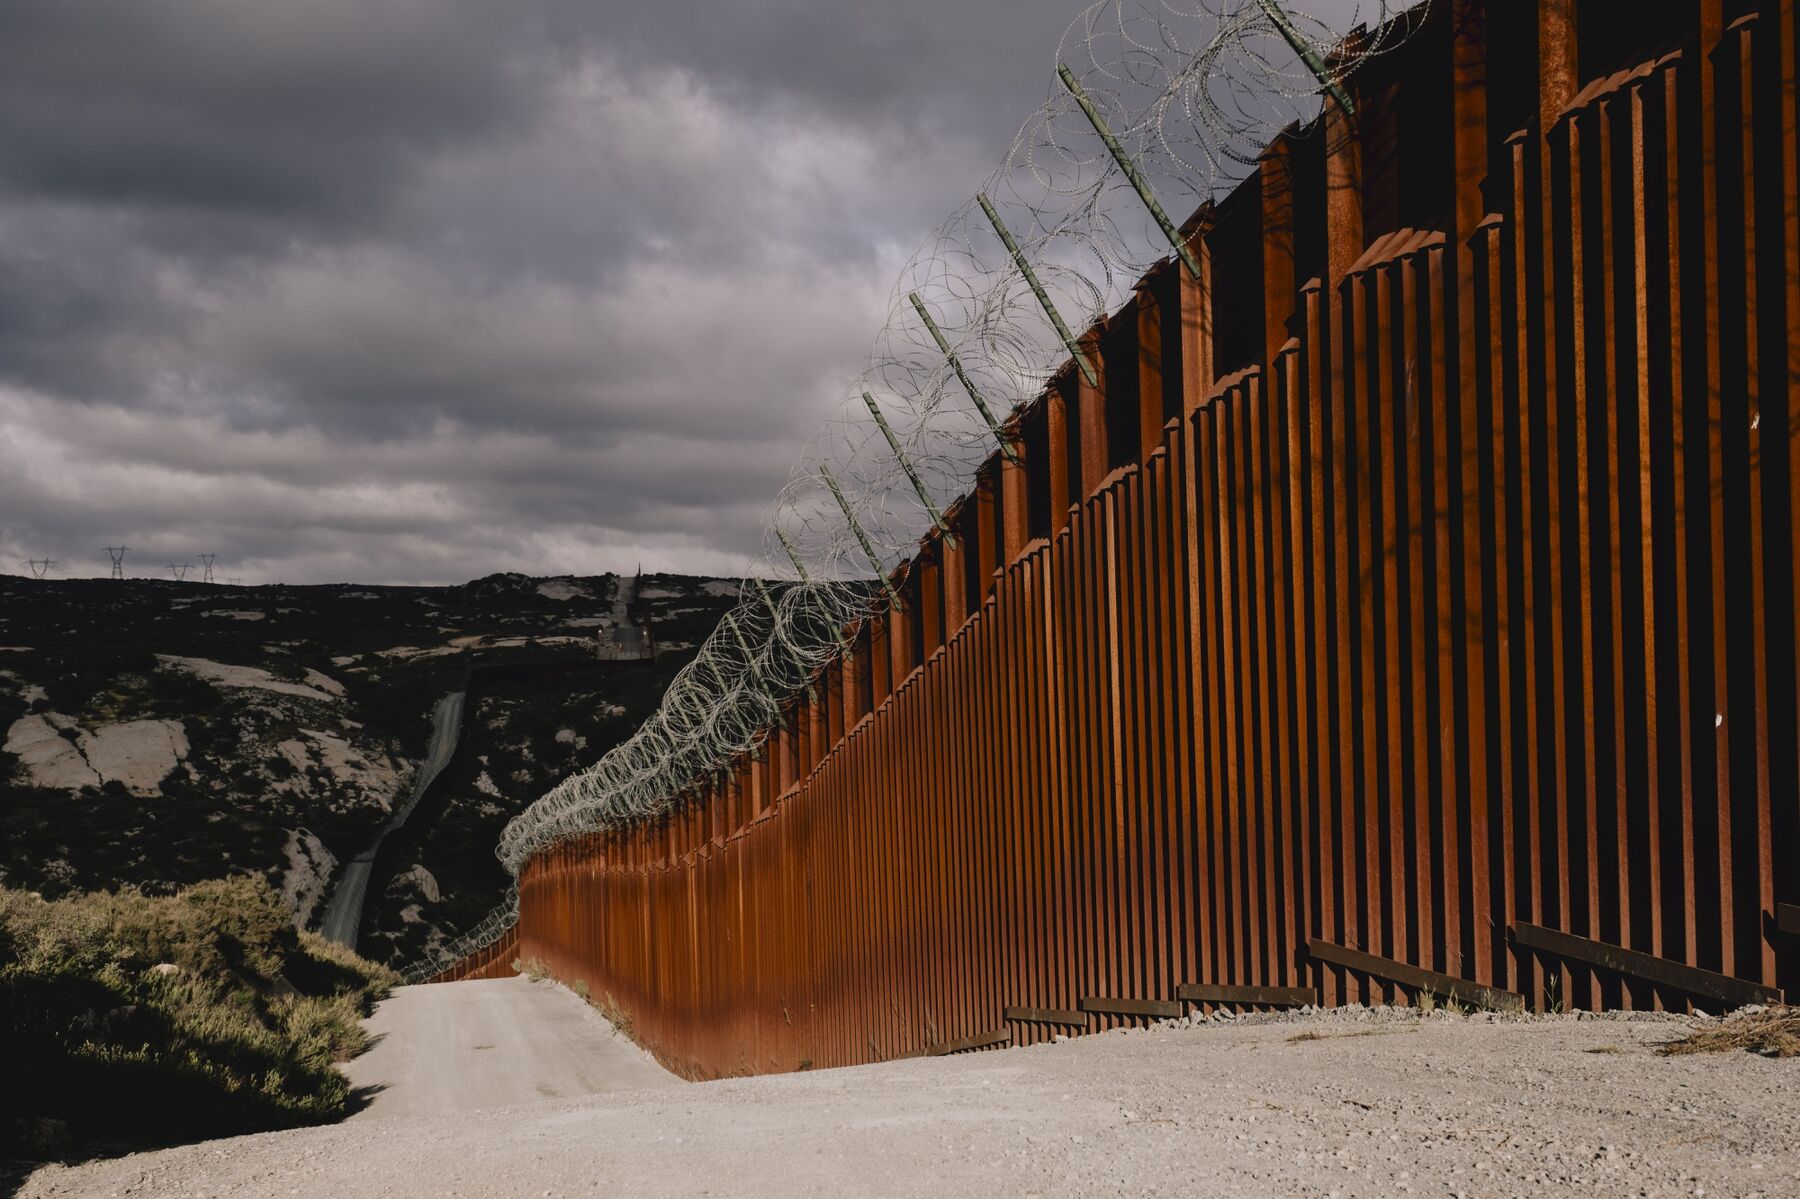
x,y
981,318
493,926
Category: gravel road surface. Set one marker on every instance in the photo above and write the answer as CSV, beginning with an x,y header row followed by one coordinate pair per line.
x,y
459,1047
1342,1103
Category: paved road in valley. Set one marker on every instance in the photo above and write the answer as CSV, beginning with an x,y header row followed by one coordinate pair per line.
x,y
624,640
343,913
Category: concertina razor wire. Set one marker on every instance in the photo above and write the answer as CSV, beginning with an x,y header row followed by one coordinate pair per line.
x,y
1156,107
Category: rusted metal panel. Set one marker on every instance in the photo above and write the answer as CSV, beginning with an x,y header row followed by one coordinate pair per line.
x,y
1260,996
1472,607
1740,50
1288,665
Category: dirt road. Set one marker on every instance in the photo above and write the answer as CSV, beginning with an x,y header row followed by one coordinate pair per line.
x,y
343,911
1338,1104
460,1047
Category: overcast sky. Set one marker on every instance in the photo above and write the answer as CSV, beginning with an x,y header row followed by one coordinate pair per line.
x,y
417,290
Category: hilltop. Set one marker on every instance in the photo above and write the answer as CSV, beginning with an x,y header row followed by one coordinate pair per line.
x,y
156,734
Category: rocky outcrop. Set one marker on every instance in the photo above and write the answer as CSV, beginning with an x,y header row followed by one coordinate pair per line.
x,y
303,882
57,752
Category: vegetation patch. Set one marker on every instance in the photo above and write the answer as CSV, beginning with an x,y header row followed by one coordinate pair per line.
x,y
1769,1031
129,1020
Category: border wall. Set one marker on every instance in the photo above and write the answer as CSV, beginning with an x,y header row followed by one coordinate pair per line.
x,y
1409,610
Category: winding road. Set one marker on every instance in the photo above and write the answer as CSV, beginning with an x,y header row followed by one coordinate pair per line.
x,y
343,914
629,641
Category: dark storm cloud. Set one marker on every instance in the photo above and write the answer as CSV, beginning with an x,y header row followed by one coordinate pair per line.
x,y
302,113
922,66
420,289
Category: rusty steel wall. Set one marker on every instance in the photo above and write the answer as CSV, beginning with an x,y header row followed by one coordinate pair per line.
x,y
1434,636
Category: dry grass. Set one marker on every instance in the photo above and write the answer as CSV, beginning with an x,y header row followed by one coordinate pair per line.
x,y
129,1020
1772,1032
1315,1035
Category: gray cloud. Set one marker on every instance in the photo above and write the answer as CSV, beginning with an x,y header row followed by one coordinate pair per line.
x,y
419,290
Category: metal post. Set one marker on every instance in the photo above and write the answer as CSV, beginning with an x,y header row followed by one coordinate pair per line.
x,y
1307,54
937,518
1129,167
981,404
1043,297
855,527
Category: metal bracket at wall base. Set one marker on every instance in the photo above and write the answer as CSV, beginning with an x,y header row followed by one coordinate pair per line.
x,y
1046,1015
1155,1009
983,1040
1265,996
1652,969
1416,977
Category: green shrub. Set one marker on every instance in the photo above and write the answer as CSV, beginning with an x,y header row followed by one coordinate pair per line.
x,y
132,1020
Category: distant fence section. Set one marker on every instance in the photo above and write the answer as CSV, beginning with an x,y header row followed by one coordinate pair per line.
x,y
1406,608
493,960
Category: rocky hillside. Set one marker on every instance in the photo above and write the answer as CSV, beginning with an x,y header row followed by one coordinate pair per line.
x,y
159,734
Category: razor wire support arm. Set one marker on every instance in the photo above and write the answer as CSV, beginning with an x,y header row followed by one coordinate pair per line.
x,y
937,518
1129,167
799,569
1308,55
1037,288
856,527
755,670
775,617
956,365
722,686
793,557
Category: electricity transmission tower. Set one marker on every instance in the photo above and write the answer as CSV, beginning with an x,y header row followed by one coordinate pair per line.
x,y
207,560
180,572
39,567
117,554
